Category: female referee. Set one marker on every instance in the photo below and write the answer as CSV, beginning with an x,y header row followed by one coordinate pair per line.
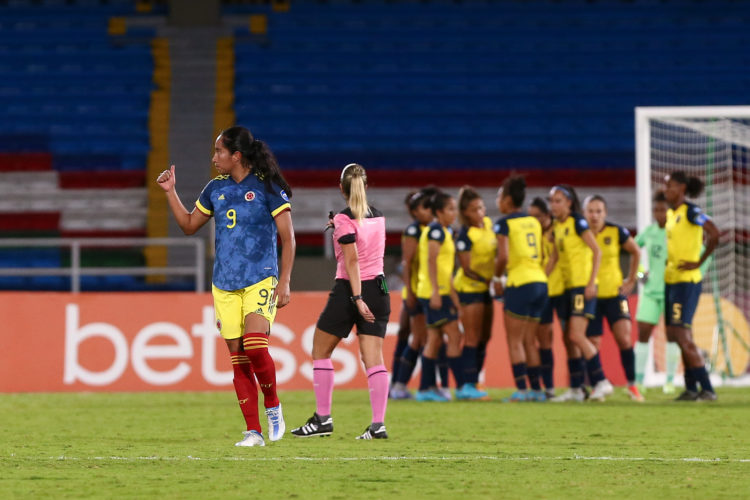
x,y
437,296
519,249
578,257
476,247
359,297
419,208
250,201
555,290
612,292
685,226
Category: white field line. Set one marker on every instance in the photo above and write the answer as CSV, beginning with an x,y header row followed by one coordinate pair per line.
x,y
13,457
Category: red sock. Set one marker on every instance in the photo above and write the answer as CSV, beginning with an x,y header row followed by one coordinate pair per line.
x,y
256,348
247,391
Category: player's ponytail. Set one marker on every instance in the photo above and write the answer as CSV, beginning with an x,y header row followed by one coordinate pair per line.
x,y
256,155
693,185
466,195
515,187
354,183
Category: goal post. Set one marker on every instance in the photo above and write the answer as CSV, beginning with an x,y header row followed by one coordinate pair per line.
x,y
713,144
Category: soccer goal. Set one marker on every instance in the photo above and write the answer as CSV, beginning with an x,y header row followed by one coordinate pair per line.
x,y
713,144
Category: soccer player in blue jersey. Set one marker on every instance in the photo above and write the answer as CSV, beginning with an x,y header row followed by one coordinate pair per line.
x,y
686,225
250,203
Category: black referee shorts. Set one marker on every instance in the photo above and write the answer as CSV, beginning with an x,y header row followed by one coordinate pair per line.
x,y
340,314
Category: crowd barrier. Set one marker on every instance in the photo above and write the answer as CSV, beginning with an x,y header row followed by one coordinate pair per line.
x,y
58,342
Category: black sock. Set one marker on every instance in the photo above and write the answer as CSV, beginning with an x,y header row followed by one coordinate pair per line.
x,y
547,367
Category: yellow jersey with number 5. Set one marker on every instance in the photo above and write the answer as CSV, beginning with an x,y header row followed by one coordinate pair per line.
x,y
684,242
574,255
524,235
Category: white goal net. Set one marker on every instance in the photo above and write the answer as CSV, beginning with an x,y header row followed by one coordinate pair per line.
x,y
713,144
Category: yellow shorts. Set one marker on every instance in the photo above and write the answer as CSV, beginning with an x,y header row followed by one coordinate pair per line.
x,y
231,307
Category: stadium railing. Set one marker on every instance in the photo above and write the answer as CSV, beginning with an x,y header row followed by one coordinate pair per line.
x,y
76,271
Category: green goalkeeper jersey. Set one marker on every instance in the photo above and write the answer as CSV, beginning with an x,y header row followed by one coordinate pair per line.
x,y
654,239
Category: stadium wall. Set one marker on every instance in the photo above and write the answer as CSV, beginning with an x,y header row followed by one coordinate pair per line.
x,y
112,342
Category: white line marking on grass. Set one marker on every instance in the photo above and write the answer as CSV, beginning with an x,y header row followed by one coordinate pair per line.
x,y
456,458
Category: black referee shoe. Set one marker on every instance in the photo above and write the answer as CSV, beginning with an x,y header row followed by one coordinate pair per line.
x,y
315,426
374,431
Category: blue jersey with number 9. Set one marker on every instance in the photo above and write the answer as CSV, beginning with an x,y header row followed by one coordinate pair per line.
x,y
245,229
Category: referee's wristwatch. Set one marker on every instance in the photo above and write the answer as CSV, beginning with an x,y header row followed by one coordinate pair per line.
x,y
355,298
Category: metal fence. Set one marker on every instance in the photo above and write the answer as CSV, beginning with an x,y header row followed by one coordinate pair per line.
x,y
75,271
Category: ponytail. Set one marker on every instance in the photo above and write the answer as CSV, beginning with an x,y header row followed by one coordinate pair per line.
x,y
256,155
354,183
693,185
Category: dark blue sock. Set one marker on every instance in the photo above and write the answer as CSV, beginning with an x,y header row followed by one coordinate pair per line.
x,y
627,358
547,367
691,383
442,366
405,367
576,367
400,346
533,373
594,369
427,379
519,374
457,367
701,375
469,356
481,355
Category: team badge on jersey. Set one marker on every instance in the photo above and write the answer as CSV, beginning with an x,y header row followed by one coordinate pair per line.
x,y
607,240
249,196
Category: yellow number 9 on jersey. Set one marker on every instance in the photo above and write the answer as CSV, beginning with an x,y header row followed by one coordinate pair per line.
x,y
232,215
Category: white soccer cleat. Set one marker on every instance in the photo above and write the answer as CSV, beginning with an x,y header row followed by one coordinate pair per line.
x,y
576,395
276,424
252,438
601,390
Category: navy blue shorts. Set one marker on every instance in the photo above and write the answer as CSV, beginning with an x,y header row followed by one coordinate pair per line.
x,y
681,301
466,298
526,301
416,311
614,309
550,306
574,303
436,318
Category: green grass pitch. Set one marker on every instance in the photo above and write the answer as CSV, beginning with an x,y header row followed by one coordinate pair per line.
x,y
181,445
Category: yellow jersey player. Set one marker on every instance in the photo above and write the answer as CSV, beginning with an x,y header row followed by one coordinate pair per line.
x,y
555,291
578,257
519,251
685,227
476,247
612,292
437,255
419,208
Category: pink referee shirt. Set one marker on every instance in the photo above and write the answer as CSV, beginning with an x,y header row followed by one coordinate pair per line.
x,y
369,235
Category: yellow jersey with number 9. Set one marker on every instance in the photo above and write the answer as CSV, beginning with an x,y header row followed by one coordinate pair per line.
x,y
524,235
481,243
555,285
574,255
445,260
684,242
